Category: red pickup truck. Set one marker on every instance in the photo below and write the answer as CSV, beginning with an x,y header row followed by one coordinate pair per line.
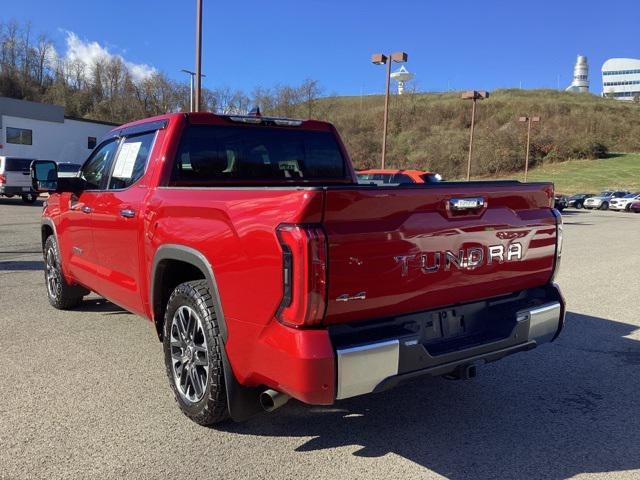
x,y
269,273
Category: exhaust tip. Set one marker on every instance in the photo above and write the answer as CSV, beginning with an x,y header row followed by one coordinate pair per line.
x,y
271,400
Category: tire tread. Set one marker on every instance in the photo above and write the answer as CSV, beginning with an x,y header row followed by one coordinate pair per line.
x,y
215,409
70,295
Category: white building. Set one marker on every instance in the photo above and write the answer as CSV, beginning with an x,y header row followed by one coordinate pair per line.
x,y
621,78
42,132
580,82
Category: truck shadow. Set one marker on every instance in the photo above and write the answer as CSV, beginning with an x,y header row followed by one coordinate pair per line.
x,y
99,305
563,409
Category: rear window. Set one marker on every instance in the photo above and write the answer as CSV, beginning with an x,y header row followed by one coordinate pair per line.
x,y
17,164
68,168
219,154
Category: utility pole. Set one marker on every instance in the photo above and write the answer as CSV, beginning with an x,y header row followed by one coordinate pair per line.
x,y
198,73
474,96
528,121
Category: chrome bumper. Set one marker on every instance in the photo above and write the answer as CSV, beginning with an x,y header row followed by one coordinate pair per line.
x,y
362,368
543,321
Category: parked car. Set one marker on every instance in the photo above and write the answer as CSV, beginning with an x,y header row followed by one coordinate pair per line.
x,y
269,273
396,177
601,201
560,201
68,170
577,200
15,179
624,202
634,207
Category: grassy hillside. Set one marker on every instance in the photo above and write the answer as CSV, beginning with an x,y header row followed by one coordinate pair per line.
x,y
431,131
620,171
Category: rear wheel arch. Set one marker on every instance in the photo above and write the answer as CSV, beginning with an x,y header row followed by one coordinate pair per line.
x,y
176,264
242,401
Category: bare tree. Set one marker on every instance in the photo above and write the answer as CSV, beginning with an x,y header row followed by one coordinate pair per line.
x,y
42,51
310,92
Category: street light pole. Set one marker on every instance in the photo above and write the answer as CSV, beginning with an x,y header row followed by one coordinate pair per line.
x,y
528,120
474,96
191,85
526,161
473,124
386,115
381,59
198,73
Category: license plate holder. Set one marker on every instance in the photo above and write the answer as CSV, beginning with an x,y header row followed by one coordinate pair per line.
x,y
443,325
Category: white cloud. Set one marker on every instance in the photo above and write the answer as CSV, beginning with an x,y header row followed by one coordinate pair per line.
x,y
92,52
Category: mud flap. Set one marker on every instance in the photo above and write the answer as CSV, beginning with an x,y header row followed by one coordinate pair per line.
x,y
243,402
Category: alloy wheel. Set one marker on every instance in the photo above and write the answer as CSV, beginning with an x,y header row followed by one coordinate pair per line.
x,y
52,273
189,354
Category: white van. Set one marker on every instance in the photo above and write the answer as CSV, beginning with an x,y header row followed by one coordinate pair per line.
x,y
15,178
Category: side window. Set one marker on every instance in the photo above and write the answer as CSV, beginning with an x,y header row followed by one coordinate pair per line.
x,y
131,161
96,169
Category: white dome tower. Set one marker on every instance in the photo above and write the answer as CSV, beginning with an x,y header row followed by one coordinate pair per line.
x,y
401,76
580,83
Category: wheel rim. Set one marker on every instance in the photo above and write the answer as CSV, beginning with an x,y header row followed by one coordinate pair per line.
x,y
189,354
52,274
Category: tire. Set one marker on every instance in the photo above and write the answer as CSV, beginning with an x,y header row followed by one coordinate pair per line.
x,y
604,206
627,207
579,205
61,294
29,198
193,354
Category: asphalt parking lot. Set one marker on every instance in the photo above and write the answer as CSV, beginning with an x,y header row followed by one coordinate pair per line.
x,y
83,394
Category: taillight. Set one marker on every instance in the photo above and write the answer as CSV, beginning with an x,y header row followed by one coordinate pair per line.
x,y
304,275
559,239
3,179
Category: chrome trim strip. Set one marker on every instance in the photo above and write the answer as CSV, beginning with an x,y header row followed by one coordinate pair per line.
x,y
362,368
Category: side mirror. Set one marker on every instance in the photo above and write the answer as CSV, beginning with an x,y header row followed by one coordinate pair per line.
x,y
44,176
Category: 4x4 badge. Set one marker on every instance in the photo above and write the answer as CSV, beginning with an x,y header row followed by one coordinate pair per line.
x,y
345,297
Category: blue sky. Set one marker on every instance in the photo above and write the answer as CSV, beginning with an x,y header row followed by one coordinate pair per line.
x,y
451,44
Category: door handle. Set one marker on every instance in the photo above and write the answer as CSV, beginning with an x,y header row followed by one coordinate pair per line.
x,y
127,213
85,209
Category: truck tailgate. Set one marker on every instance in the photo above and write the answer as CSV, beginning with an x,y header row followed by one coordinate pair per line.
x,y
405,249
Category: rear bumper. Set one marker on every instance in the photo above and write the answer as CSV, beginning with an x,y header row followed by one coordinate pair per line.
x,y
9,190
381,365
321,366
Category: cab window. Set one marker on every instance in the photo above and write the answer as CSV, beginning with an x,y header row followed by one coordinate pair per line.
x,y
96,169
131,160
